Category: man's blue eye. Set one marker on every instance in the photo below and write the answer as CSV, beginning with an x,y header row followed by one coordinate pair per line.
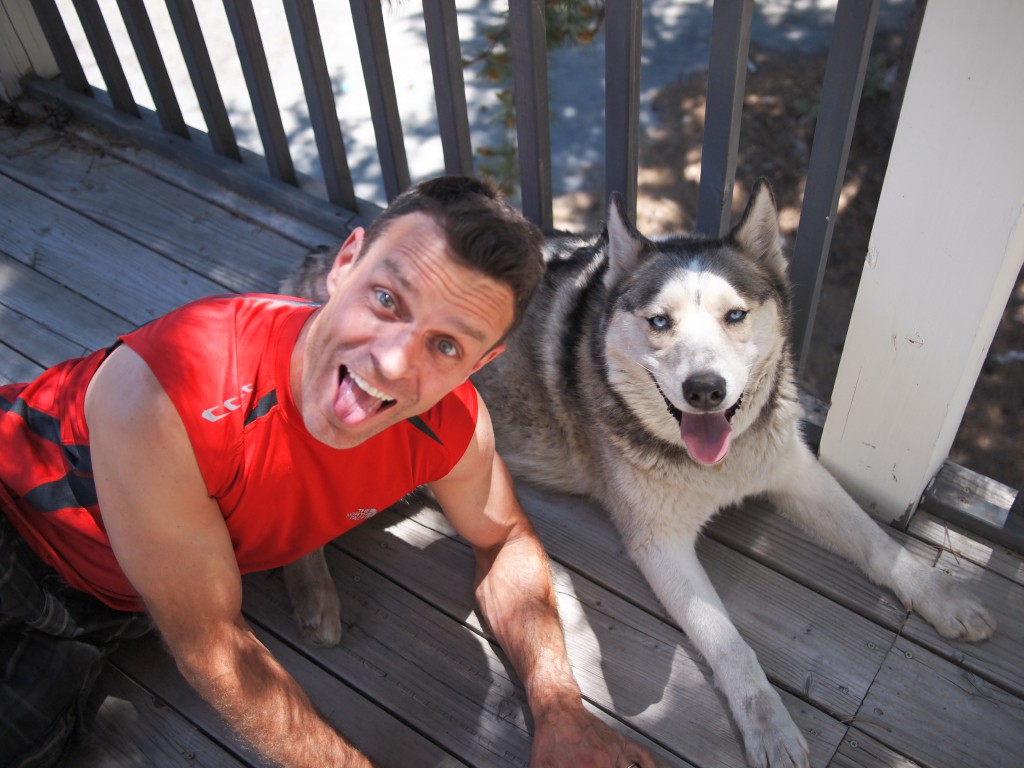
x,y
448,348
736,316
386,299
659,322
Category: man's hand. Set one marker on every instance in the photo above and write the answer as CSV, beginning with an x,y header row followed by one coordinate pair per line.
x,y
571,736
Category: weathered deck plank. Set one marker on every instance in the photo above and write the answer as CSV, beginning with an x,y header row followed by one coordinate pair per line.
x,y
945,716
418,662
46,346
998,659
787,550
14,366
427,662
859,750
96,238
952,539
161,216
64,312
670,696
769,538
829,653
61,242
138,729
368,726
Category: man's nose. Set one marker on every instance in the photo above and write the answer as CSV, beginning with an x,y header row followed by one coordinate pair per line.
x,y
395,351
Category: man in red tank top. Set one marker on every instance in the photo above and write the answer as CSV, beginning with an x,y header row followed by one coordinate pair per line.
x,y
137,479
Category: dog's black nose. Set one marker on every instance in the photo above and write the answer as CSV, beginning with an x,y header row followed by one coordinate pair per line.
x,y
705,391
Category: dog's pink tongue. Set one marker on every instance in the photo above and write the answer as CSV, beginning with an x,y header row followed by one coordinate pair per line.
x,y
706,435
353,405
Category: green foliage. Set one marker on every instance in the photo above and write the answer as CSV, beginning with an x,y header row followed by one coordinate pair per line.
x,y
567,22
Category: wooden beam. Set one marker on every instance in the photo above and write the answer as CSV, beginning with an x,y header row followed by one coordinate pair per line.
x,y
944,254
63,50
253,58
316,82
530,91
23,47
204,79
147,50
727,77
623,24
830,149
95,27
368,19
449,86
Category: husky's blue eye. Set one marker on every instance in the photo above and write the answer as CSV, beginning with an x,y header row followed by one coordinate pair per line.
x,y
659,322
735,316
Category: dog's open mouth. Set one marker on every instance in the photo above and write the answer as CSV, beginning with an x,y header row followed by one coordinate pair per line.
x,y
707,436
357,399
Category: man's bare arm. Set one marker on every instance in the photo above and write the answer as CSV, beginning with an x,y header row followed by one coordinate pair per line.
x,y
171,541
517,599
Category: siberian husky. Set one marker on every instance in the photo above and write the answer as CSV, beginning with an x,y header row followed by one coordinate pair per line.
x,y
656,376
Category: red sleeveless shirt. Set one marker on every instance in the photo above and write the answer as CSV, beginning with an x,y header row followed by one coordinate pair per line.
x,y
224,362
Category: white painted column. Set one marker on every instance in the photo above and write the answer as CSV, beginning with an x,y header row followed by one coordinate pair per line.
x,y
945,251
23,49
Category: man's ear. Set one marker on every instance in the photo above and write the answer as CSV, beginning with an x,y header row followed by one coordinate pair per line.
x,y
493,353
347,255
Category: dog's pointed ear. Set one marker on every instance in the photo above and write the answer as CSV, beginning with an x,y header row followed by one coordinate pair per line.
x,y
757,234
625,243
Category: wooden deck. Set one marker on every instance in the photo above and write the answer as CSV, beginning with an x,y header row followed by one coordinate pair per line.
x,y
97,236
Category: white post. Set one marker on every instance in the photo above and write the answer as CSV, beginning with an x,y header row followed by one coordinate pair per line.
x,y
23,49
945,251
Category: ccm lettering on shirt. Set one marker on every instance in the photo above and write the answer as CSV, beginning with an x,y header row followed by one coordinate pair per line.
x,y
219,411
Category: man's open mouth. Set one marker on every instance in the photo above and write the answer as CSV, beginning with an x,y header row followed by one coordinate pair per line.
x,y
707,436
367,387
357,399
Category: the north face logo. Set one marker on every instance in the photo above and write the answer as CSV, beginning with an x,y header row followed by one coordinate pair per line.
x,y
361,515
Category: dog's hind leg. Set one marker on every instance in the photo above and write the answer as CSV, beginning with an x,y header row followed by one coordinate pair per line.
x,y
770,737
812,498
314,599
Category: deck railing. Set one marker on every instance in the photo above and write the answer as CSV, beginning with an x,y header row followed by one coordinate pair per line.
x,y
844,77
854,26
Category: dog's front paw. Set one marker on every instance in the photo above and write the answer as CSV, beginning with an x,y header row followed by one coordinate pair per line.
x,y
954,612
319,620
314,599
770,737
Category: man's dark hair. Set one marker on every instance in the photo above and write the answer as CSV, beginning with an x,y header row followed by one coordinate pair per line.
x,y
483,232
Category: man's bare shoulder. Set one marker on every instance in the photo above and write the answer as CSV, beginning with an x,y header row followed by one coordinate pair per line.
x,y
477,496
124,393
475,465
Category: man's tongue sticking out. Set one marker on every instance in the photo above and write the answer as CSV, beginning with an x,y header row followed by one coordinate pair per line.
x,y
353,405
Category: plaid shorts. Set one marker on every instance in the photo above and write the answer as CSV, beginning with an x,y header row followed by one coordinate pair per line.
x,y
53,642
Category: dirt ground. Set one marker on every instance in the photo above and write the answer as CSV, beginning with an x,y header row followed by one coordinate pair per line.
x,y
775,141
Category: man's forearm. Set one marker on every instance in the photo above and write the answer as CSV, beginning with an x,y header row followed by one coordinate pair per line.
x,y
517,599
265,706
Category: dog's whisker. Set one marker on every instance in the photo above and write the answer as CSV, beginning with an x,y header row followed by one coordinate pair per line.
x,y
638,364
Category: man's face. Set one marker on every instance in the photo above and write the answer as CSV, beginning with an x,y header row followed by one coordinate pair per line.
x,y
404,325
